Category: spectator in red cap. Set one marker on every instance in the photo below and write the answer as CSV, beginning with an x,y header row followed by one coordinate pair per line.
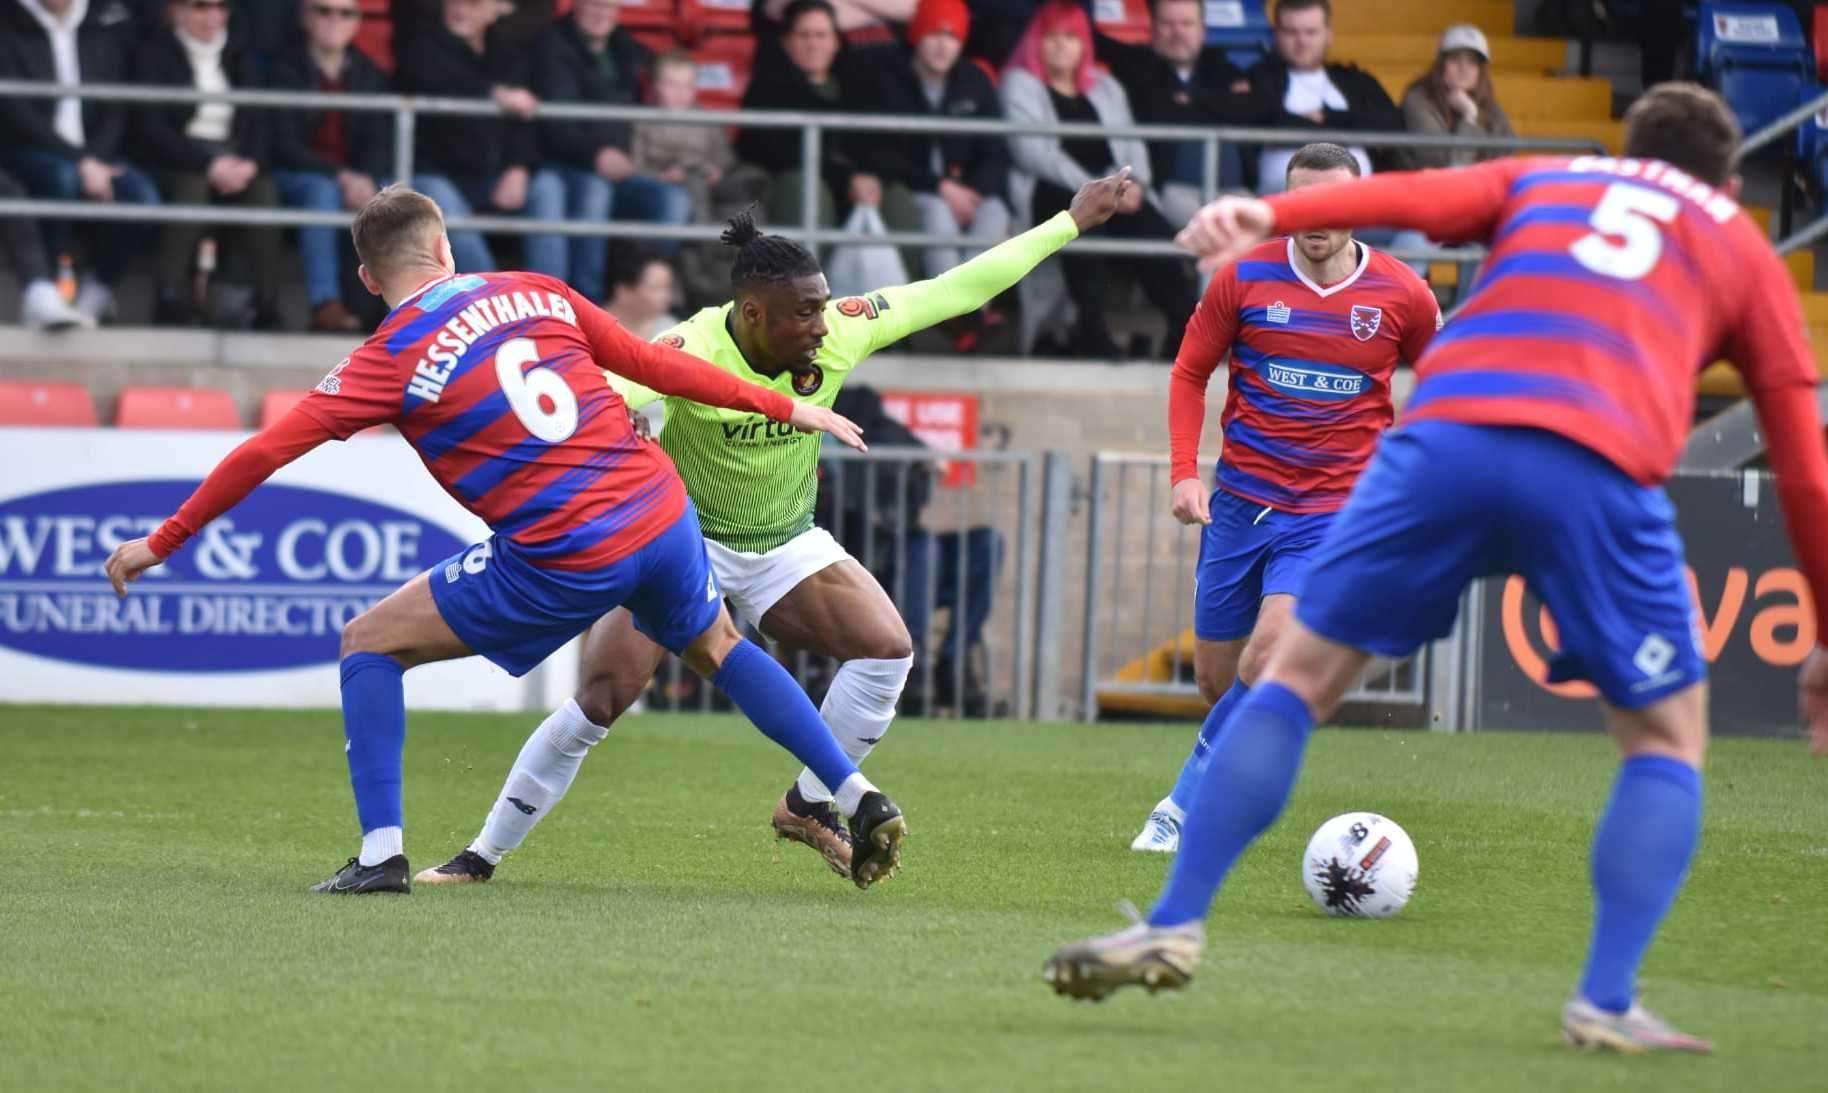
x,y
960,182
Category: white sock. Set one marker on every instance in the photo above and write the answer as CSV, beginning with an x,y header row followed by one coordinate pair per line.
x,y
850,794
543,771
380,844
858,707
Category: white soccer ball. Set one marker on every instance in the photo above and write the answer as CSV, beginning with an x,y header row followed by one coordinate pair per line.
x,y
1360,865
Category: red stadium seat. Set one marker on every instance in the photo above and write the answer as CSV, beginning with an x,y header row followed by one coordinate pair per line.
x,y
276,403
375,36
648,14
1124,20
724,65
29,402
176,408
699,18
1819,40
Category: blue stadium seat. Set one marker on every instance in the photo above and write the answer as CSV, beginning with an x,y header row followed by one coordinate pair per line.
x,y
1756,56
1812,150
1240,27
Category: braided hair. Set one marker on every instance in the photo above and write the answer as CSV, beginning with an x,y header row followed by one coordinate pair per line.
x,y
759,257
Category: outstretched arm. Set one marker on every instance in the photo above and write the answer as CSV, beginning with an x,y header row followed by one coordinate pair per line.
x,y
1454,205
970,285
250,464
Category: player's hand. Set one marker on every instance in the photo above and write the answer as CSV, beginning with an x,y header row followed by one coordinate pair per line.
x,y
1226,228
1189,502
817,419
128,561
1812,690
1098,200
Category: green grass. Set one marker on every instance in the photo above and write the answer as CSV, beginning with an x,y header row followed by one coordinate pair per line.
x,y
155,932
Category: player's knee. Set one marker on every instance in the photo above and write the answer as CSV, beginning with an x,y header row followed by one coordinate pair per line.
x,y
890,643
359,635
1255,660
1210,690
602,701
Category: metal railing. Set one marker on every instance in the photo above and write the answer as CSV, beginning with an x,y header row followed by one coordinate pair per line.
x,y
406,109
1139,581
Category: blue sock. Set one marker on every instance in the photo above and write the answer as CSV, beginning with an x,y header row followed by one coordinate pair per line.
x,y
1641,851
374,722
768,696
1182,794
1246,782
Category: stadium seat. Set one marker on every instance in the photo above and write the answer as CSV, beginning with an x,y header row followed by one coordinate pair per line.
x,y
375,36
276,403
724,64
648,14
661,40
176,408
1124,20
1240,28
699,19
1755,55
1818,39
30,402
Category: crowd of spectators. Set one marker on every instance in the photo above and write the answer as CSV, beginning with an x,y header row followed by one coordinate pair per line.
x,y
1027,60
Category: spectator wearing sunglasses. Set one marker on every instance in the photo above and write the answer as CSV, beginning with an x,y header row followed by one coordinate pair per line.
x,y
70,149
210,153
326,160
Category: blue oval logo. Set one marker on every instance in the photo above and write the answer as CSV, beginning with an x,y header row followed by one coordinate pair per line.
x,y
268,585
1313,380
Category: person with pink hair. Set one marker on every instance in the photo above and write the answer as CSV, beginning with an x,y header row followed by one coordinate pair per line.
x,y
1050,78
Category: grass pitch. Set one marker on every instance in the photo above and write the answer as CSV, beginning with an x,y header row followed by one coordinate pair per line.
x,y
155,932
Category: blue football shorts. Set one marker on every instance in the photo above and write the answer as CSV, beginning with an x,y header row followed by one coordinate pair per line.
x,y
1444,503
517,614
1249,551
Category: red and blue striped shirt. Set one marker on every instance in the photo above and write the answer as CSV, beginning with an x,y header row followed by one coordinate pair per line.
x,y
1311,364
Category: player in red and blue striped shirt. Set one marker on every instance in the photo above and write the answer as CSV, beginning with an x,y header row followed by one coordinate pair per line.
x,y
1545,417
1315,325
496,380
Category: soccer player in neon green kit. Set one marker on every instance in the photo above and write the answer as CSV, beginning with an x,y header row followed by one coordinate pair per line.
x,y
754,487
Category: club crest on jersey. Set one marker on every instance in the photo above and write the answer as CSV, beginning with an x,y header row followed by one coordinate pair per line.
x,y
1279,313
672,341
1365,321
808,382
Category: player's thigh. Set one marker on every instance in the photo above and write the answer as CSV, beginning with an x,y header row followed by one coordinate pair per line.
x,y
619,662
1215,665
1615,580
1421,523
1274,617
677,603
1228,575
841,611
1317,669
1674,726
406,626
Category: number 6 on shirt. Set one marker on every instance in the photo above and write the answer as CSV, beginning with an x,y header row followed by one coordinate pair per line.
x,y
525,388
1630,213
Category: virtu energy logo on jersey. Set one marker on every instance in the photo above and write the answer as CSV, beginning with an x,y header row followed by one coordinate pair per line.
x,y
269,585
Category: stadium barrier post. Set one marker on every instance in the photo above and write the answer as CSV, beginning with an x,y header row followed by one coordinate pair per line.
x,y
1050,584
1094,561
1022,657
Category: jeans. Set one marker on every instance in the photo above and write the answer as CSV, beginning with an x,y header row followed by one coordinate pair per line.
x,y
110,245
317,247
464,195
938,566
988,228
590,197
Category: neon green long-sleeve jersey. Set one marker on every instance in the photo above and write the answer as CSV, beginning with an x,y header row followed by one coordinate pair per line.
x,y
754,481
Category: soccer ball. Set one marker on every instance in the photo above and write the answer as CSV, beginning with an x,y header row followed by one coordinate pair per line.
x,y
1360,865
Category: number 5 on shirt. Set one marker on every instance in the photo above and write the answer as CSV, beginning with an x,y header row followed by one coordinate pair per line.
x,y
1630,214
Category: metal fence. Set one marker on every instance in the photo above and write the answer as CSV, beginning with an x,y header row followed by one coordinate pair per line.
x,y
1139,570
813,127
953,538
